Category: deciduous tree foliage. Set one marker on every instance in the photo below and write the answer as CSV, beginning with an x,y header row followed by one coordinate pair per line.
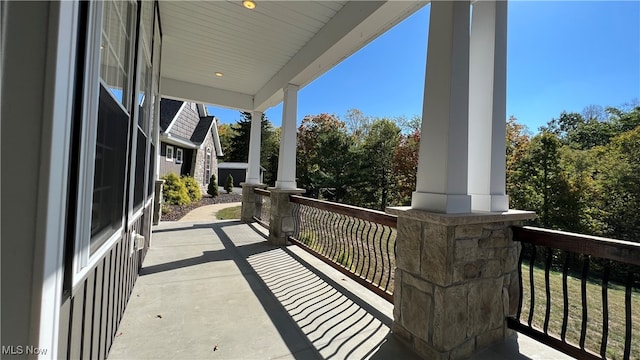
x,y
580,173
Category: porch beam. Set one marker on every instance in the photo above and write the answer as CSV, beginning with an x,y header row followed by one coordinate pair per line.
x,y
487,106
287,159
441,184
187,91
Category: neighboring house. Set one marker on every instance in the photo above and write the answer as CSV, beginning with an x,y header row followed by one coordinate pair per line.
x,y
238,171
189,142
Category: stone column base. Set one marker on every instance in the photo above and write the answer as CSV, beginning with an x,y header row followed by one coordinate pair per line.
x,y
157,200
456,280
249,199
281,222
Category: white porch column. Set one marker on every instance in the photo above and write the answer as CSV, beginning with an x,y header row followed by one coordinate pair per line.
x,y
487,106
253,172
443,158
287,160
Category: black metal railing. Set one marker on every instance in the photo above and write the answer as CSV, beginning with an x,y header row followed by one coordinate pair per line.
x,y
263,207
358,242
581,294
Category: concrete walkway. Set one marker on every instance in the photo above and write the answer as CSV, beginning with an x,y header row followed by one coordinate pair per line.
x,y
219,290
207,212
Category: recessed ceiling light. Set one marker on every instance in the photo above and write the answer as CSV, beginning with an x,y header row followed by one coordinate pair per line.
x,y
249,4
219,74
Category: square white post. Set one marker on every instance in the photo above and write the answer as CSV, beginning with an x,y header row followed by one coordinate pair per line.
x,y
287,160
441,184
253,172
487,106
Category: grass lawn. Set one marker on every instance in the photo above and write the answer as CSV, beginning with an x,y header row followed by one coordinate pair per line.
x,y
616,295
229,213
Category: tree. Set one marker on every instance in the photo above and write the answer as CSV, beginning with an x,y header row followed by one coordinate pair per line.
x,y
269,145
405,165
325,157
620,180
548,191
378,148
228,184
213,186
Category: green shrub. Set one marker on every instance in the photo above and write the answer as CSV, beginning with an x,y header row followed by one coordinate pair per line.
x,y
174,191
213,186
193,188
228,185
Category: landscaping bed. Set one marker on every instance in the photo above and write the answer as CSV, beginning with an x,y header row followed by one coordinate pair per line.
x,y
176,212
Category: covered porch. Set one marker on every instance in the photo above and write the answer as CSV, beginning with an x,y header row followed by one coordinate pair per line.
x,y
219,289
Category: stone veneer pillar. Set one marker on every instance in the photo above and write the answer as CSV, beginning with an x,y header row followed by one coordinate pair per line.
x,y
456,280
250,201
281,220
157,201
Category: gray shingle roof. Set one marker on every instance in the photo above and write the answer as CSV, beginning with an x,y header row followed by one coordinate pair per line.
x,y
201,130
168,110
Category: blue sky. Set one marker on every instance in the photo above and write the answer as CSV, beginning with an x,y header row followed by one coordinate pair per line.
x,y
562,56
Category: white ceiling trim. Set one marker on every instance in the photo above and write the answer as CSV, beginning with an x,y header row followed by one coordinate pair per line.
x,y
186,91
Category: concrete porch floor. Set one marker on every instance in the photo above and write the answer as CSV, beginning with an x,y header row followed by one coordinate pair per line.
x,y
218,290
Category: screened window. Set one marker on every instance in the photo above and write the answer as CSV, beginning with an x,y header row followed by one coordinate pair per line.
x,y
109,185
115,61
207,167
109,176
178,156
169,156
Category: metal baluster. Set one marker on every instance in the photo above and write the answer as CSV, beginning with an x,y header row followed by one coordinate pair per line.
x,y
627,310
605,309
388,267
547,287
532,289
520,290
583,291
565,297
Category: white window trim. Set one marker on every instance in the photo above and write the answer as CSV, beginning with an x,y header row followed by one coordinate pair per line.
x,y
88,143
179,156
51,228
166,156
83,260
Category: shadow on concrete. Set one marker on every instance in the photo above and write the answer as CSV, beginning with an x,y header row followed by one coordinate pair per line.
x,y
314,315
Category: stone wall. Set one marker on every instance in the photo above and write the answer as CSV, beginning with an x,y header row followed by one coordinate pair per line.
x,y
456,281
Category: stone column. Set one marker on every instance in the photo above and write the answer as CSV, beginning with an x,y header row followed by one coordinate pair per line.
x,y
441,181
281,221
157,201
456,280
253,172
250,202
487,106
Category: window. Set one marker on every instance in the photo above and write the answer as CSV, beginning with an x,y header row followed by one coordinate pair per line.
x,y
178,156
110,161
207,167
116,49
169,155
109,172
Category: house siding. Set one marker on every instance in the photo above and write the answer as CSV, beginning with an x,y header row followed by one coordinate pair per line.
x,y
186,122
167,167
90,316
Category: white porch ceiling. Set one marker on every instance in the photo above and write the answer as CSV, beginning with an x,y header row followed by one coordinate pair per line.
x,y
261,50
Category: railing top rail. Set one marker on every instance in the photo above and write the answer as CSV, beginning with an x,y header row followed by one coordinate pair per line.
x,y
375,216
617,250
262,192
